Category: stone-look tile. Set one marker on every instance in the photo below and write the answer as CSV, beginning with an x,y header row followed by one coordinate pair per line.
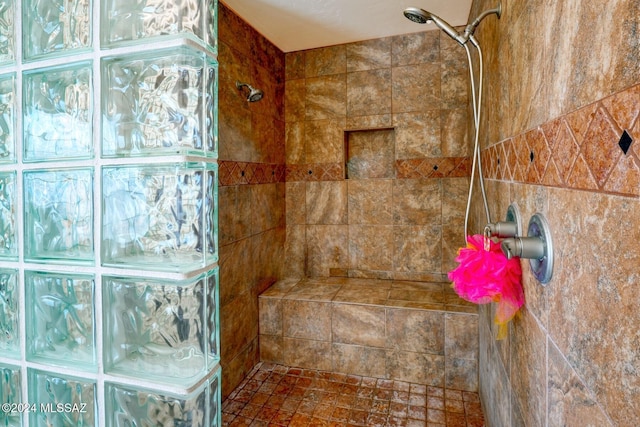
x,y
369,55
452,240
454,87
428,293
415,88
294,65
416,48
294,143
295,251
325,61
371,247
417,201
295,100
326,97
296,213
280,288
370,202
369,92
240,320
234,31
590,318
235,277
267,250
326,202
271,348
358,324
306,319
461,374
270,316
324,141
307,353
418,134
417,248
313,290
528,368
415,330
267,207
455,140
454,195
422,368
236,369
234,213
369,122
376,294
327,247
570,401
357,360
370,154
461,336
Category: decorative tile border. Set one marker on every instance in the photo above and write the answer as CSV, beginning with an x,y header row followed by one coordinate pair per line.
x,y
589,149
237,173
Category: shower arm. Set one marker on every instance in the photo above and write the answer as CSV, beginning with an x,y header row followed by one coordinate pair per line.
x,y
471,28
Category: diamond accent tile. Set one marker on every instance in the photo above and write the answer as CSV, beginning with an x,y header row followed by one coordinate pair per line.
x,y
624,107
625,142
565,151
599,147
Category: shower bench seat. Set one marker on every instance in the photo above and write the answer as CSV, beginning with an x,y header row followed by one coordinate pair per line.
x,y
420,332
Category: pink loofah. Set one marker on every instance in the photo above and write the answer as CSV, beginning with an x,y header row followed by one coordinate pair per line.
x,y
488,276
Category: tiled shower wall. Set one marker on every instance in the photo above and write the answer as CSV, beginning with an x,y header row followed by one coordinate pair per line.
x,y
391,115
562,79
251,193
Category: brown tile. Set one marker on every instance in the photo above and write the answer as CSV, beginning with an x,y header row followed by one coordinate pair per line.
x,y
369,54
417,202
326,97
370,247
370,202
270,317
307,353
358,360
294,65
313,290
419,367
358,324
418,134
417,248
306,319
326,203
327,247
415,330
369,92
600,147
363,294
416,48
461,336
415,87
325,61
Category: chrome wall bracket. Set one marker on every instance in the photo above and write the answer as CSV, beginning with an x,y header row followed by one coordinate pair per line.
x,y
537,247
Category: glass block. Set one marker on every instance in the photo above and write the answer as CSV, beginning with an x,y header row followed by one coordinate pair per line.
x,y
60,319
155,329
55,27
58,215
8,196
9,309
10,392
213,316
7,32
58,113
159,103
7,116
159,217
61,400
146,21
129,406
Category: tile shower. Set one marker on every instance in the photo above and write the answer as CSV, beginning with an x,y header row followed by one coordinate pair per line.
x,y
108,265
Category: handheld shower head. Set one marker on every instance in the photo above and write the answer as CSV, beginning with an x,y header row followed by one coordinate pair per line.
x,y
421,16
254,94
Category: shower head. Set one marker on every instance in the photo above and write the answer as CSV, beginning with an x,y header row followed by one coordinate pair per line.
x,y
254,94
421,16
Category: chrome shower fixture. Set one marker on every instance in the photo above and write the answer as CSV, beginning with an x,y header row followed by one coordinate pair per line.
x,y
254,94
421,16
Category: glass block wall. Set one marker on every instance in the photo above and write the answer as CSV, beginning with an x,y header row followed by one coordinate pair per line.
x,y
108,213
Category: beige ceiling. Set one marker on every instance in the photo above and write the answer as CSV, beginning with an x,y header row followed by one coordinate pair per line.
x,y
305,24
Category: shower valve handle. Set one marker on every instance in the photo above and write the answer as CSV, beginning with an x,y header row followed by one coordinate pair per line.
x,y
523,247
503,229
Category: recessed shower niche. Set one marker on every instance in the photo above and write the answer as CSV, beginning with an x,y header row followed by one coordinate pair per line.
x,y
369,153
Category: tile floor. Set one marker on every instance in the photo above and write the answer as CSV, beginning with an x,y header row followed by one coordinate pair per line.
x,y
276,395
